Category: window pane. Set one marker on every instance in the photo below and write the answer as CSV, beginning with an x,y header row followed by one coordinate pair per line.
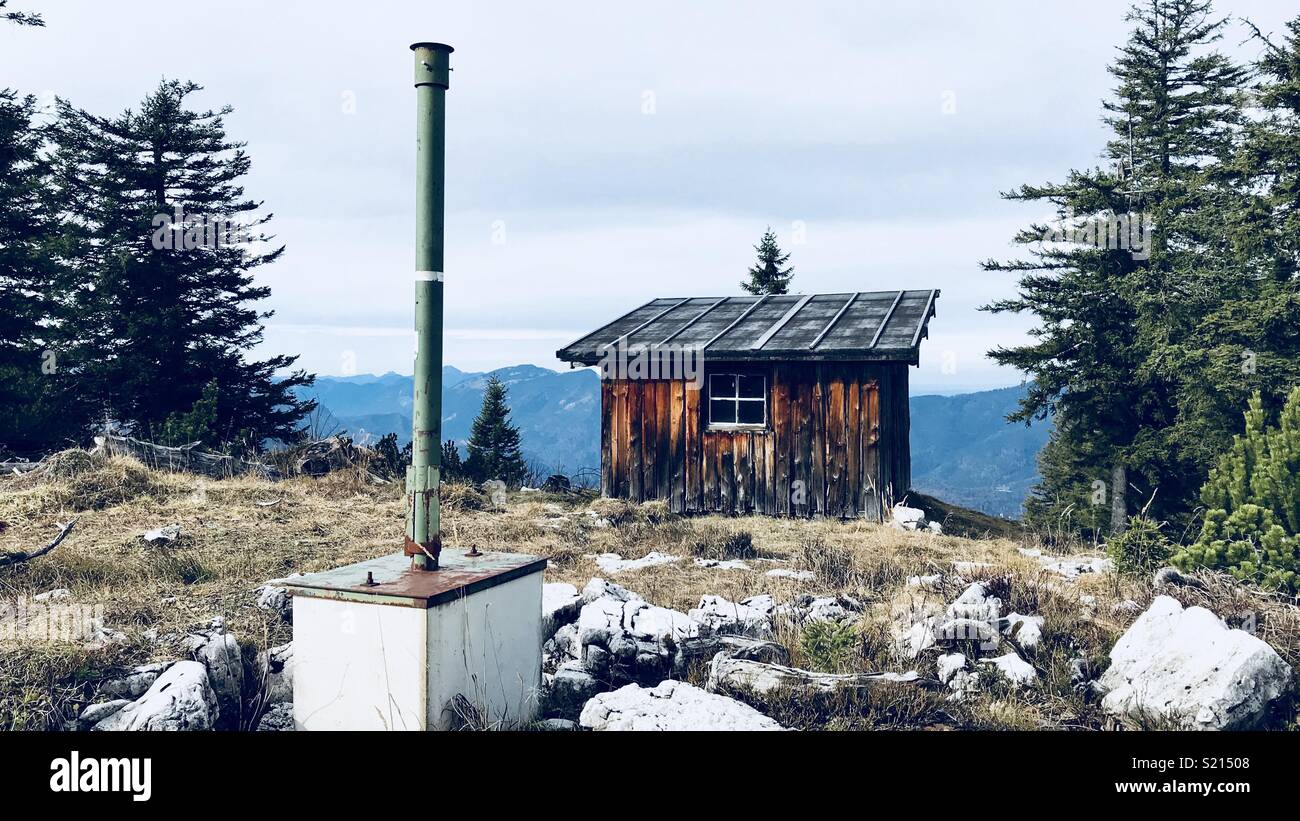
x,y
751,387
751,413
722,384
722,411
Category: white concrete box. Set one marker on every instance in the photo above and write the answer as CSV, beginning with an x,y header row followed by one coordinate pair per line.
x,y
379,646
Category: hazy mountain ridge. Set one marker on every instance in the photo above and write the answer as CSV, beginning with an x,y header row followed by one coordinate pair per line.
x,y
963,450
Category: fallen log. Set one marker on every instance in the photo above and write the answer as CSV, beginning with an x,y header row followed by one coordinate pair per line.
x,y
7,559
184,458
737,677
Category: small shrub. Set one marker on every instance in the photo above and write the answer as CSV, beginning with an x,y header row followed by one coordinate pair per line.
x,y
458,496
1252,500
615,511
715,542
831,563
1140,549
829,646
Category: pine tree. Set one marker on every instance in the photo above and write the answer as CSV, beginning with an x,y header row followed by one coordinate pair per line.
x,y
1101,357
165,256
768,277
493,445
39,407
1252,500
451,468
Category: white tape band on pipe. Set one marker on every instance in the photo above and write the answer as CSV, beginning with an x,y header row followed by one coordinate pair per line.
x,y
428,276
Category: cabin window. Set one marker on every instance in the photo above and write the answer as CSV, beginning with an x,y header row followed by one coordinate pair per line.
x,y
737,400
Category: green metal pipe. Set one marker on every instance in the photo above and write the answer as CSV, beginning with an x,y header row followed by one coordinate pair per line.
x,y
423,527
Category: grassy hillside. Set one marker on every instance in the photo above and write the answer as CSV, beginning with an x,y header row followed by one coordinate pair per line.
x,y
239,533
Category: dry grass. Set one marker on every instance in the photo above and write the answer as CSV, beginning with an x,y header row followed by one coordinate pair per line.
x,y
239,533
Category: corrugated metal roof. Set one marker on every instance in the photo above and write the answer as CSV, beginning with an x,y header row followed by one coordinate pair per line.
x,y
870,325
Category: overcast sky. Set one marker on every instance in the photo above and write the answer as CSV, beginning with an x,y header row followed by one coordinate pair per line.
x,y
602,154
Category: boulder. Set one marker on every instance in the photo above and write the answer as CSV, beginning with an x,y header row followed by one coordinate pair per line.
x,y
561,604
275,599
570,688
180,699
907,518
162,535
670,705
219,652
275,666
599,588
56,594
95,713
278,718
134,683
1185,668
632,640
735,618
561,647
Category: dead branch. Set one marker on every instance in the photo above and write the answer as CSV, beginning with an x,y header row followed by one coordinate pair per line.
x,y
7,559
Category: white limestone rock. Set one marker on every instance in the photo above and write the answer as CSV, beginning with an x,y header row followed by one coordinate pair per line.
x,y
743,678
917,638
722,564
1014,669
670,705
134,683
1186,668
180,699
162,535
56,594
219,652
632,640
613,563
734,618
907,518
976,603
276,668
599,588
95,713
568,690
561,604
1027,630
948,665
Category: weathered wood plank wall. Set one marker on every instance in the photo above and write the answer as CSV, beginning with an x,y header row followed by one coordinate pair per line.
x,y
836,444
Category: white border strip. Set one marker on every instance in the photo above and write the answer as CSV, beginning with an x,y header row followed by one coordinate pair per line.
x,y
428,276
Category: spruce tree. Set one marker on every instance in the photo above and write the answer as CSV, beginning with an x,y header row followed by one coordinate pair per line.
x,y
1101,358
768,277
165,256
39,403
493,445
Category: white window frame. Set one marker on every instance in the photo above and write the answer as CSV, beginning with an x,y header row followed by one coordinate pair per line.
x,y
737,398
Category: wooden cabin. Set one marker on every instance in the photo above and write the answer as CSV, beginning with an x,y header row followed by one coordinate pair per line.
x,y
793,405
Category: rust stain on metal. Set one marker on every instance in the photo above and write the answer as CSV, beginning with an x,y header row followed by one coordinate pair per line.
x,y
391,579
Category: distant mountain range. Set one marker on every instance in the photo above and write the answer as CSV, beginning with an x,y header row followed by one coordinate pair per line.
x,y
963,450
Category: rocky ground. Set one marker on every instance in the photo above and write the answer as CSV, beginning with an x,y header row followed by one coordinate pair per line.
x,y
652,621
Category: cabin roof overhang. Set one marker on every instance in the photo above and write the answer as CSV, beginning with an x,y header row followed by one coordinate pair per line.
x,y
881,326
